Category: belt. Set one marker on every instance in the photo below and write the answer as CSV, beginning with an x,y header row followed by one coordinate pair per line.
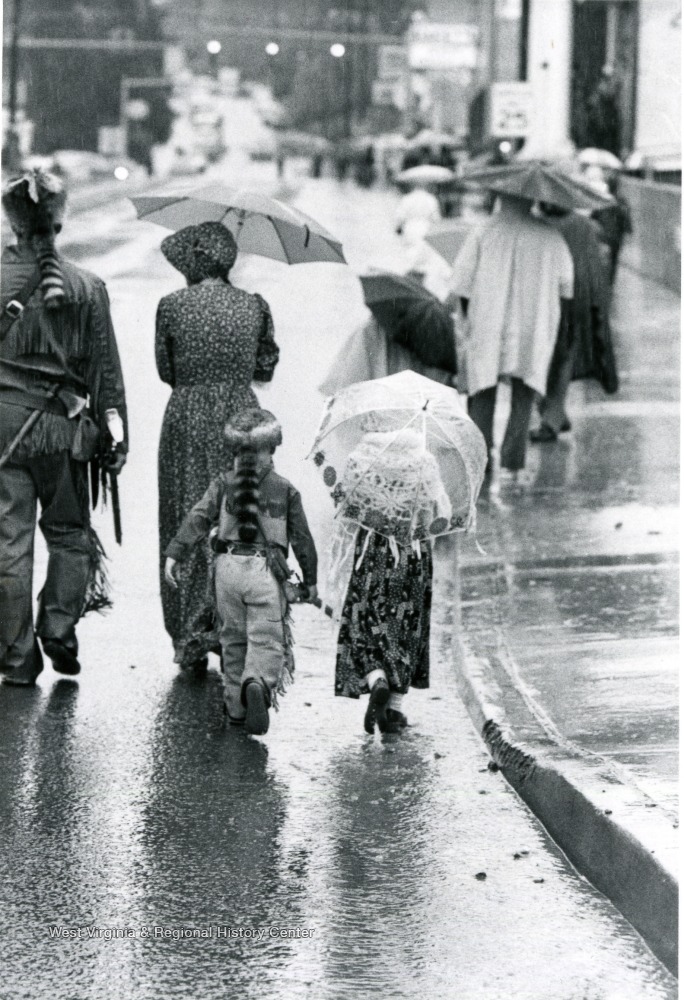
x,y
222,546
31,401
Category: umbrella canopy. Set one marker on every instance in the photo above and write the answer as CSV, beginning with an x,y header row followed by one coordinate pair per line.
x,y
448,238
413,317
426,173
538,181
401,457
592,157
430,137
260,225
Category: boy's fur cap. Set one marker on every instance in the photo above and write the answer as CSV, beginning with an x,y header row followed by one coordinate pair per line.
x,y
255,429
34,202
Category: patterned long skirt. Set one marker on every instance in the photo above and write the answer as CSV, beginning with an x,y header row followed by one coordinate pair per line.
x,y
192,452
386,618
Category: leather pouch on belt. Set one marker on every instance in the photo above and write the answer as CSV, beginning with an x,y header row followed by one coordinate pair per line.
x,y
86,439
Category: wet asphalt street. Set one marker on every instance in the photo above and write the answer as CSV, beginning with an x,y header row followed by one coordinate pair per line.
x,y
400,867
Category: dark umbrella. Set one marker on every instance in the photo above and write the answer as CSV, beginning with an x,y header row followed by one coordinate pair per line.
x,y
413,317
538,182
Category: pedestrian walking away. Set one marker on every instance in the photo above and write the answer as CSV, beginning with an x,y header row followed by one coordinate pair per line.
x,y
584,346
511,277
258,515
213,341
61,386
413,475
408,329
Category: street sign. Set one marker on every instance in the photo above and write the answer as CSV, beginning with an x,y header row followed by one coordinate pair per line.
x,y
442,47
511,110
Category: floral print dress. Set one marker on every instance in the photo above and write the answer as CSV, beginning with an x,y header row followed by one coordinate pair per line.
x,y
386,617
212,341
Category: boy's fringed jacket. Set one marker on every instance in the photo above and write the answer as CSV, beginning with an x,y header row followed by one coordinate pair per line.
x,y
280,511
82,328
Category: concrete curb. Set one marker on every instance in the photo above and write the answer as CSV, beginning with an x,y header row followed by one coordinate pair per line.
x,y
611,832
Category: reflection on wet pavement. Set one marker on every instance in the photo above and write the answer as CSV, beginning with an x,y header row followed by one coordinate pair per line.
x,y
158,815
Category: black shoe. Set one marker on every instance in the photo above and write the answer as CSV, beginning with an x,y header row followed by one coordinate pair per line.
x,y
396,721
64,660
565,426
376,713
17,680
543,435
256,720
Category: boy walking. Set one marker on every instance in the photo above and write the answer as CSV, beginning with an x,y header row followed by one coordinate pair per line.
x,y
259,516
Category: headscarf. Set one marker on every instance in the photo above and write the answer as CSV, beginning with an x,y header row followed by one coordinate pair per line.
x,y
207,250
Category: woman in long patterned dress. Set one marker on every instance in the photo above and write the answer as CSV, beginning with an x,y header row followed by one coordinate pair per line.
x,y
212,341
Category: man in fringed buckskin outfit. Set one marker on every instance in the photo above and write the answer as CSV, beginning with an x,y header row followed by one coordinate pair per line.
x,y
60,388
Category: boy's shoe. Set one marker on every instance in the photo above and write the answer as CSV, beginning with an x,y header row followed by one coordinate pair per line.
x,y
64,660
376,713
256,720
395,721
231,720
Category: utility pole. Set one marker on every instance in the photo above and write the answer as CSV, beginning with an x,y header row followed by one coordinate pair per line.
x,y
12,153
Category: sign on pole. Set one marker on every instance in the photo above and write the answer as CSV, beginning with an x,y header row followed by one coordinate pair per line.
x,y
442,47
511,110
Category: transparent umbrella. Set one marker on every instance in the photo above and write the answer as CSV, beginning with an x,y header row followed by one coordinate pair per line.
x,y
401,457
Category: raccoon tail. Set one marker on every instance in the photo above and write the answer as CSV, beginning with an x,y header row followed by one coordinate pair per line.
x,y
51,277
247,497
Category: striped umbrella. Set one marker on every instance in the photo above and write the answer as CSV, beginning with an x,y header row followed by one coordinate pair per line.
x,y
538,181
260,225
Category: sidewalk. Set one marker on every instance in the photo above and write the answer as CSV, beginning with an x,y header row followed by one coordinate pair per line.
x,y
569,647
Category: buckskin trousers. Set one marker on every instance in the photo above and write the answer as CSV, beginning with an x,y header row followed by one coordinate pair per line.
x,y
60,485
250,607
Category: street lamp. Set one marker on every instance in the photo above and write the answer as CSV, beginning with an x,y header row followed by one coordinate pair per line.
x,y
213,48
337,50
272,49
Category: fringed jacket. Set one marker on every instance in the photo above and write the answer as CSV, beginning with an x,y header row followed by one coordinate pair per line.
x,y
82,329
280,510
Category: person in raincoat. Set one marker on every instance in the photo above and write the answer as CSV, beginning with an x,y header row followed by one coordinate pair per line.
x,y
383,644
514,280
399,335
584,347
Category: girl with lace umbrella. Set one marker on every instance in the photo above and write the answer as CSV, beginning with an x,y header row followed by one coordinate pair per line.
x,y
404,464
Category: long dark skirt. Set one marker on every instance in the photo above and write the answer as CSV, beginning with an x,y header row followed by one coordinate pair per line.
x,y
192,452
386,619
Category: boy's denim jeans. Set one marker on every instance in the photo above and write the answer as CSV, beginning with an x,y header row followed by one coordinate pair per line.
x,y
251,608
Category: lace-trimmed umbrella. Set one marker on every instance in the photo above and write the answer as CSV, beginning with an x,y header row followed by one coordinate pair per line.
x,y
401,457
260,225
